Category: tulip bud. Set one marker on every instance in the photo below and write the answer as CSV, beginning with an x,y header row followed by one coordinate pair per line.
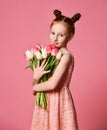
x,y
38,55
29,55
58,56
36,48
44,53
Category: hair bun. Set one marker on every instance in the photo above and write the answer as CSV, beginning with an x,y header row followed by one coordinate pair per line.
x,y
75,18
57,13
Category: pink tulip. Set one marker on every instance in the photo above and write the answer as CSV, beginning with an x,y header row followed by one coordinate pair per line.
x,y
54,51
53,46
37,47
48,49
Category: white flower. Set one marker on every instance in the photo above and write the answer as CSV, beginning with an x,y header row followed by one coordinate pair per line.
x,y
58,56
44,53
28,54
38,55
32,50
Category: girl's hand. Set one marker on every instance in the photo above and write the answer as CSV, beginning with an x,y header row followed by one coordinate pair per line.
x,y
39,71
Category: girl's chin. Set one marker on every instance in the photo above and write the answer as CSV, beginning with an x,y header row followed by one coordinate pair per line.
x,y
57,45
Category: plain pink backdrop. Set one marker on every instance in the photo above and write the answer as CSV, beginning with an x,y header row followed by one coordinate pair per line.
x,y
26,22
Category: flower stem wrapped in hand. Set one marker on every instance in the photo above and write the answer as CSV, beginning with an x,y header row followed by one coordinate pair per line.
x,y
48,58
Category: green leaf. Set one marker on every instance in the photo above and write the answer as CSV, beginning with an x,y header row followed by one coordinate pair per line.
x,y
43,100
35,60
38,95
31,65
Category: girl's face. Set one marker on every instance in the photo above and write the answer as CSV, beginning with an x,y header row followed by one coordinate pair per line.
x,y
59,35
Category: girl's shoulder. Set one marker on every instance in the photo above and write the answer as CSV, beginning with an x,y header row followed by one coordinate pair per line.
x,y
69,55
68,58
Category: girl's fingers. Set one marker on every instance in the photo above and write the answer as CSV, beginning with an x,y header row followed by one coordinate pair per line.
x,y
45,72
38,63
43,63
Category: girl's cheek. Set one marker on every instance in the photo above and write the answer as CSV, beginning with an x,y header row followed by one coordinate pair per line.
x,y
51,37
61,39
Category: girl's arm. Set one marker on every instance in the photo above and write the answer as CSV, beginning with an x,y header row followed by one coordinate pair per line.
x,y
52,83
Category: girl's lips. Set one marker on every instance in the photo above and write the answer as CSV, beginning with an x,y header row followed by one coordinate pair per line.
x,y
55,43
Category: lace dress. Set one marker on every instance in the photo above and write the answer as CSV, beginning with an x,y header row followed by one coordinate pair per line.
x,y
60,113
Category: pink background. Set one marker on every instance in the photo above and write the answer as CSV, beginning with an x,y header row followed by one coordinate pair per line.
x,y
26,22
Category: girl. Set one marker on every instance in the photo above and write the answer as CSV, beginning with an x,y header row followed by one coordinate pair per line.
x,y
60,113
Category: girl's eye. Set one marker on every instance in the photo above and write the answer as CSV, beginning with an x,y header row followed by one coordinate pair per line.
x,y
61,35
53,33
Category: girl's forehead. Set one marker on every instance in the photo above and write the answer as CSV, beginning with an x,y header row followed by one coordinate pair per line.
x,y
61,26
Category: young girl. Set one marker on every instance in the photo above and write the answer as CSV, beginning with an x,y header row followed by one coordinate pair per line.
x,y
60,113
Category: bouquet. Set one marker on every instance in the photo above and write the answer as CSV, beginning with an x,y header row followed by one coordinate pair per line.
x,y
52,56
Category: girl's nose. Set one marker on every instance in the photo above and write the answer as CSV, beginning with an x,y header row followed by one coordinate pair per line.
x,y
56,38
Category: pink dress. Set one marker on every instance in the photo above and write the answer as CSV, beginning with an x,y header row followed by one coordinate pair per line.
x,y
60,113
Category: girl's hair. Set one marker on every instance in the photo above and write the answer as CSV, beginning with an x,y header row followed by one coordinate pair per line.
x,y
68,21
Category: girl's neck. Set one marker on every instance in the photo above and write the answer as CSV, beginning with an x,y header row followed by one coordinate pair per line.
x,y
63,50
